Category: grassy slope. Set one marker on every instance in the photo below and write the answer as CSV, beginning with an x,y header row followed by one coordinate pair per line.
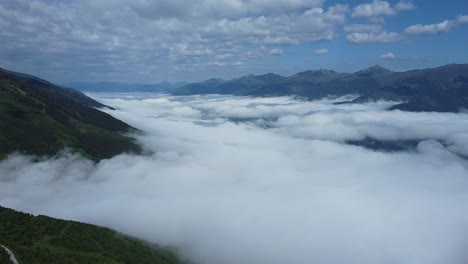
x,y
45,240
36,121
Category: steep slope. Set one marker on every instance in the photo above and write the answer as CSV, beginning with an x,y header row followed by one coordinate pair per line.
x,y
45,240
443,89
45,88
41,118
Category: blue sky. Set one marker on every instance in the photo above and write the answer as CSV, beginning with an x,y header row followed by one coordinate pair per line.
x,y
150,41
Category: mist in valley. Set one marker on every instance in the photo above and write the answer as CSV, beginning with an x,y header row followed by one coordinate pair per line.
x,y
266,180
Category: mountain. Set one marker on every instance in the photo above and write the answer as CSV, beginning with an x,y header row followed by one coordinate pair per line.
x,y
41,118
241,86
205,87
112,87
45,240
442,89
309,84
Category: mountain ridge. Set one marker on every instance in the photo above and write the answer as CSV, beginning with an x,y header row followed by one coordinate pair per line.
x,y
163,87
432,89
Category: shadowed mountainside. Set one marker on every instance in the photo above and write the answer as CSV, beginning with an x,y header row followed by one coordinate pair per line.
x,y
442,89
40,118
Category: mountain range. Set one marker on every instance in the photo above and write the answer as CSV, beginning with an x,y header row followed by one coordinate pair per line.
x,y
441,89
41,118
116,87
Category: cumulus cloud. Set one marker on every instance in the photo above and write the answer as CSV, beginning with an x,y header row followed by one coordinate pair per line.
x,y
370,33
438,28
376,8
404,6
276,52
371,37
99,39
387,56
380,8
202,9
320,51
266,180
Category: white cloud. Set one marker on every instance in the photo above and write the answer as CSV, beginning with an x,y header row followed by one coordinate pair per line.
x,y
438,28
239,63
387,56
276,52
370,33
266,180
375,10
363,28
371,37
404,6
321,52
462,19
175,37
202,9
420,29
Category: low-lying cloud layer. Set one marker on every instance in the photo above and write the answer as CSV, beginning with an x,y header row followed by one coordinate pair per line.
x,y
267,180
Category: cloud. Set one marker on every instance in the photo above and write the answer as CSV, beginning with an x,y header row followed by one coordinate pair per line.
x,y
376,28
266,180
216,8
438,28
380,8
404,6
239,63
97,40
369,33
276,52
376,8
321,52
387,56
371,37
462,19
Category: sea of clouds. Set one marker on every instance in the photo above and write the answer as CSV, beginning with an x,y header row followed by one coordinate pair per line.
x,y
266,180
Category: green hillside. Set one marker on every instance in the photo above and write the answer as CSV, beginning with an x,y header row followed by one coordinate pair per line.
x,y
45,240
40,118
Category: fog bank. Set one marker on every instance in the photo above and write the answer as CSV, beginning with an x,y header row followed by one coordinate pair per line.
x,y
266,180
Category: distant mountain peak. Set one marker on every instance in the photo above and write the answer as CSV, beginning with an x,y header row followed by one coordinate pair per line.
x,y
320,72
376,68
215,80
269,77
326,71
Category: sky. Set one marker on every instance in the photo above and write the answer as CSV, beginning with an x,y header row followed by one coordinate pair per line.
x,y
266,180
147,41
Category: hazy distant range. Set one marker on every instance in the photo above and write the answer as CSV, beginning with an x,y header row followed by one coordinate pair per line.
x,y
163,87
